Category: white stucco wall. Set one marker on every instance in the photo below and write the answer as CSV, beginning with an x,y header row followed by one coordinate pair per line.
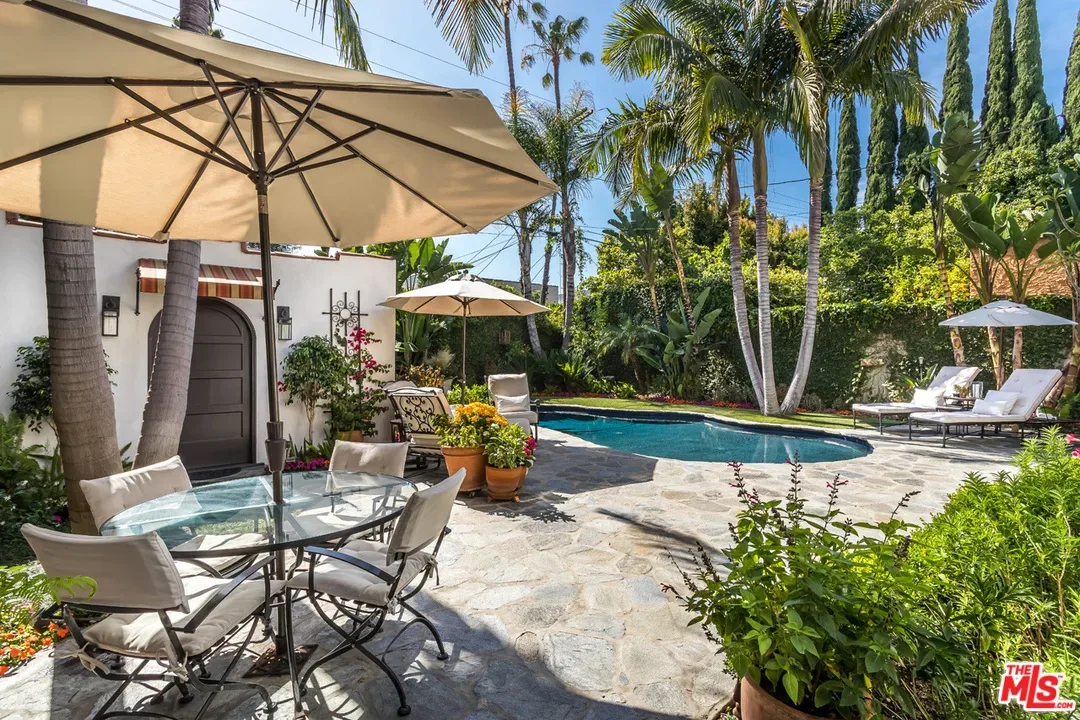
x,y
305,288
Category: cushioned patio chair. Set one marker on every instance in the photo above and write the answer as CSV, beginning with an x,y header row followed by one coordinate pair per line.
x,y
511,397
1015,404
155,616
946,383
363,580
110,495
417,409
382,458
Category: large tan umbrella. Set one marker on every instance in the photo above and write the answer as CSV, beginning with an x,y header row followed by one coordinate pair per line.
x,y
463,298
123,124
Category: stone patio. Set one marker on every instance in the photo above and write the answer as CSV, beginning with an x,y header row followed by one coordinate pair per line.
x,y
553,608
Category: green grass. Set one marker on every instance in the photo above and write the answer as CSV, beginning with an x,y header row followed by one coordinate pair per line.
x,y
806,419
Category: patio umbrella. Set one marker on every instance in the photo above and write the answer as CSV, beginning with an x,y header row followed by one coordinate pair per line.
x,y
1005,313
463,298
115,122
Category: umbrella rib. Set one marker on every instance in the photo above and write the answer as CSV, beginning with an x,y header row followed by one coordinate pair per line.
x,y
285,146
416,139
286,141
199,173
372,163
62,81
228,114
105,132
298,165
510,306
316,165
192,149
174,122
289,85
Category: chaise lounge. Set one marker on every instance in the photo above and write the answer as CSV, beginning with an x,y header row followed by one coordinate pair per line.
x,y
947,382
1014,404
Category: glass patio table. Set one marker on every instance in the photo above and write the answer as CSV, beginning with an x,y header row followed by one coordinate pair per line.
x,y
239,517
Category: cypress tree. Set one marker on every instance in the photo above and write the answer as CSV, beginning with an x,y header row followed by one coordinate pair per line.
x,y
1030,108
914,139
881,163
848,158
997,109
957,87
826,190
1071,104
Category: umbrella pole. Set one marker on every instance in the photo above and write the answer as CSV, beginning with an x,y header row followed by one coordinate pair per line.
x,y
464,322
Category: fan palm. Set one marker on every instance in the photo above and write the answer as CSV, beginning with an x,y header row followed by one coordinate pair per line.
x,y
842,51
557,42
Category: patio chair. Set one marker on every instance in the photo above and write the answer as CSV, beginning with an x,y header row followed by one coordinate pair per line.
x,y
110,495
382,458
417,409
1016,403
511,397
946,383
154,615
365,578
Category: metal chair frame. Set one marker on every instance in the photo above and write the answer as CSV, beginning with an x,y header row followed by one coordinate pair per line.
x,y
367,620
196,676
412,421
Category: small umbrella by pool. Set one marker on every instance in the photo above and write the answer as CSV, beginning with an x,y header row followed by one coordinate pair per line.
x,y
463,298
1005,313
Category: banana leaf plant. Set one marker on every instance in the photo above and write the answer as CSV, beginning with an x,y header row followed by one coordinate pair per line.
x,y
1064,207
1005,242
676,350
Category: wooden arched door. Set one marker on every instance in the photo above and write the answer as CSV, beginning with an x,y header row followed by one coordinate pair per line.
x,y
219,426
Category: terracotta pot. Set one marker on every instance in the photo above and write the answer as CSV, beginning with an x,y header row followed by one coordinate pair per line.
x,y
351,436
474,462
756,704
504,483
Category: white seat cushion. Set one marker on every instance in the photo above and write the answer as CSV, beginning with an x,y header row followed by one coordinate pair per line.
x,y
996,402
351,583
895,408
511,404
526,415
928,398
142,635
966,417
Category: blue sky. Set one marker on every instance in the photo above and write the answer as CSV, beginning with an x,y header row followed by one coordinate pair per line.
x,y
402,40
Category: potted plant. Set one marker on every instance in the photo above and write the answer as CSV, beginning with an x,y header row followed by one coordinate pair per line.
x,y
358,399
311,374
815,614
510,454
463,438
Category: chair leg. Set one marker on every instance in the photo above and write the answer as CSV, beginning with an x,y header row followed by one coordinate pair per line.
x,y
909,427
880,424
404,709
430,626
298,705
944,433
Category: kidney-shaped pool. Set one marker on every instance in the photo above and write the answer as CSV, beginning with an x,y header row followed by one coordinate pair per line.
x,y
664,436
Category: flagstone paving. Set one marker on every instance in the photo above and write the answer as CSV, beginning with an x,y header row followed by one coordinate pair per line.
x,y
554,608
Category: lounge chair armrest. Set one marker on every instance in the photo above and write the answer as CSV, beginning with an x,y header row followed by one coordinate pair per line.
x,y
350,560
223,592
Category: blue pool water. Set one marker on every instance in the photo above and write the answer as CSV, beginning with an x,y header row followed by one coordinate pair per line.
x,y
704,440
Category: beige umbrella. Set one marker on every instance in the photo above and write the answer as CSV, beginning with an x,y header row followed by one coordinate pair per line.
x,y
463,298
115,122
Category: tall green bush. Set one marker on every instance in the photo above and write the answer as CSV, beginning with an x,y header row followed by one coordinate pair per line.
x,y
957,85
848,158
996,117
881,160
1032,125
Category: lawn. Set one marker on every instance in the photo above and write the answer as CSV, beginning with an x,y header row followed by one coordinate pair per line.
x,y
809,419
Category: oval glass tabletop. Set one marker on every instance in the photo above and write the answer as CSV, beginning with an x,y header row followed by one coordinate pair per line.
x,y
239,517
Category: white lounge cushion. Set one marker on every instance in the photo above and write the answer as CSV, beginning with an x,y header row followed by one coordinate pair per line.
x,y
952,378
142,635
893,408
512,404
346,581
996,402
526,415
966,417
928,397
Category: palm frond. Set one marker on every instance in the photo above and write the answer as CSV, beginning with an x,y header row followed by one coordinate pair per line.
x,y
472,27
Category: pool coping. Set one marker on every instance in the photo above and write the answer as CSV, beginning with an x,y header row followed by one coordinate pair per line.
x,y
771,428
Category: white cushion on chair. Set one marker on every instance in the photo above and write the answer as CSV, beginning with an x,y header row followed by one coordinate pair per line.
x,y
511,404
108,496
348,582
142,635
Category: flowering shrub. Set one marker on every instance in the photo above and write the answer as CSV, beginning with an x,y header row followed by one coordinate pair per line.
x,y
21,642
358,400
471,425
319,463
510,447
24,590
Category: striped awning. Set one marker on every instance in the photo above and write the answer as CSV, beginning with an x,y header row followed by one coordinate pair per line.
x,y
219,281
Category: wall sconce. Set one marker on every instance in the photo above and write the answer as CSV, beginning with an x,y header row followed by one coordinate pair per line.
x,y
110,315
284,323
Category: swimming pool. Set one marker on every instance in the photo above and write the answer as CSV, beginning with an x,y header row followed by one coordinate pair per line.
x,y
664,436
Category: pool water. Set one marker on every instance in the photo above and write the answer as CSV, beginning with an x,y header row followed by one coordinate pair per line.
x,y
704,440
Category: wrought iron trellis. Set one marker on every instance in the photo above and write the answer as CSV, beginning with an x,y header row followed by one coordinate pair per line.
x,y
344,317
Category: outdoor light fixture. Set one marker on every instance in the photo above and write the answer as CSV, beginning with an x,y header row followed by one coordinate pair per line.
x,y
110,315
284,323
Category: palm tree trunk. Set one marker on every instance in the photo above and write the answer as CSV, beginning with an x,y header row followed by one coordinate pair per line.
x,y
761,221
688,305
651,277
996,358
569,267
166,399
813,267
943,277
545,278
506,8
555,82
738,283
81,394
525,259
1018,348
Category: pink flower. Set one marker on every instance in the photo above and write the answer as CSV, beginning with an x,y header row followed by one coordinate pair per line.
x,y
1076,453
1070,438
57,519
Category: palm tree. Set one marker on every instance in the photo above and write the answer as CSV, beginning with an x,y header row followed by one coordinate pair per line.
x,y
624,339
638,235
840,53
565,136
557,42
720,65
657,189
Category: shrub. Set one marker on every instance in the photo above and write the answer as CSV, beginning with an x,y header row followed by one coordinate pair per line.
x,y
24,591
470,394
31,393
426,375
311,371
31,488
471,426
510,447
